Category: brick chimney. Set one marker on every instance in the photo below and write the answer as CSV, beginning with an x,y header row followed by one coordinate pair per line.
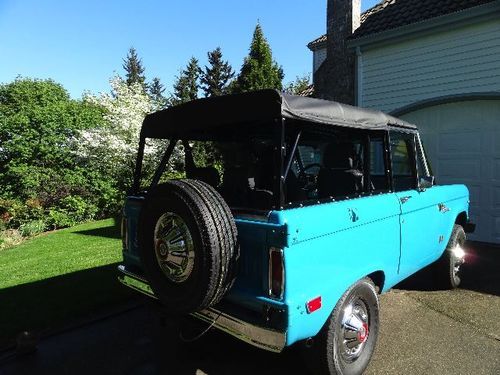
x,y
334,80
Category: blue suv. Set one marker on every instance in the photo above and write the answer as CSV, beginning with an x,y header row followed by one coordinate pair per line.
x,y
293,216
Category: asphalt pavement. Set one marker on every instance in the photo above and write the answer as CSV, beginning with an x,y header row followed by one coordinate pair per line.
x,y
423,331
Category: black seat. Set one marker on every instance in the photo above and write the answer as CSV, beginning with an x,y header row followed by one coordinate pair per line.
x,y
337,177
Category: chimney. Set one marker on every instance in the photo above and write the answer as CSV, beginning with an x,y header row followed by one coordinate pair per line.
x,y
334,80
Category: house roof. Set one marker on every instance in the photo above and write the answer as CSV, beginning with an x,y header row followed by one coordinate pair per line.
x,y
391,14
198,117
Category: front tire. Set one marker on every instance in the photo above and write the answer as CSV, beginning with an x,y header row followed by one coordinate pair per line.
x,y
346,343
447,267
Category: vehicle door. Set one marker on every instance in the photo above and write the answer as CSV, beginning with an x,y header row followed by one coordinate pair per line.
x,y
346,229
421,223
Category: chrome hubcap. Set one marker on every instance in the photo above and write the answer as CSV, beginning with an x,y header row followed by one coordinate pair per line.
x,y
458,258
174,247
354,330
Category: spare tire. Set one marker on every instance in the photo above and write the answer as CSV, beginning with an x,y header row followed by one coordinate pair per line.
x,y
188,245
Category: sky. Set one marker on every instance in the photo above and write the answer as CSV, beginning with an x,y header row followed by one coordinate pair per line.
x,y
81,43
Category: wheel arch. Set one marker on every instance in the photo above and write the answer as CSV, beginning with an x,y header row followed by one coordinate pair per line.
x,y
461,219
378,278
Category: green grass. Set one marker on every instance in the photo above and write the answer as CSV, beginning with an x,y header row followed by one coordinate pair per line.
x,y
59,278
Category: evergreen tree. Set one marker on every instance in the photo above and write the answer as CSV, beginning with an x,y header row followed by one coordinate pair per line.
x,y
187,84
134,68
156,90
259,71
216,76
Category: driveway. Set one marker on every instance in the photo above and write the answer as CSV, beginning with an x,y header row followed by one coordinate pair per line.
x,y
423,331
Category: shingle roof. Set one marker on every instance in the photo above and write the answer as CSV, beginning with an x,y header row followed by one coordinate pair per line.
x,y
390,14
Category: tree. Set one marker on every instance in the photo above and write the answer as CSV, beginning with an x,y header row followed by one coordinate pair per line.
x,y
187,84
39,175
134,69
259,71
216,76
299,86
111,149
156,90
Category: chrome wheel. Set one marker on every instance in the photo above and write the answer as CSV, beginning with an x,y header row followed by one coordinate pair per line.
x,y
174,247
457,259
355,329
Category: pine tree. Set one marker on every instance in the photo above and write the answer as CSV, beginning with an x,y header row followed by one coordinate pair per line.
x,y
259,71
134,68
216,76
156,90
187,84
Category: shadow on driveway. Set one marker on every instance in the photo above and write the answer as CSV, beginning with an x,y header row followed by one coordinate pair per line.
x,y
49,304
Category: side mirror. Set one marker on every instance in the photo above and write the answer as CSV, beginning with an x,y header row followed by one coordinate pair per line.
x,y
426,182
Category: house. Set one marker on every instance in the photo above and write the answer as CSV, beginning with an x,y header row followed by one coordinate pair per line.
x,y
435,63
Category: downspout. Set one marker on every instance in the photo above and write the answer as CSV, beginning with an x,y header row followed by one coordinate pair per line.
x,y
358,79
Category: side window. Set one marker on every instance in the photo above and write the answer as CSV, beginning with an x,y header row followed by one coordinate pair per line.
x,y
403,161
378,175
326,166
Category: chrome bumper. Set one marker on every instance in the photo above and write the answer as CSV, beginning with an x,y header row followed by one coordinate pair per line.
x,y
261,337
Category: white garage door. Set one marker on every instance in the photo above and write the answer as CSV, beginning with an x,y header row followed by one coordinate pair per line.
x,y
462,141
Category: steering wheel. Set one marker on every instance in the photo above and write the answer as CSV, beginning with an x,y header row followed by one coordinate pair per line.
x,y
311,166
308,181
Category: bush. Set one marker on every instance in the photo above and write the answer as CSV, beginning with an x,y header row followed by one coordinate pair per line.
x,y
9,238
33,227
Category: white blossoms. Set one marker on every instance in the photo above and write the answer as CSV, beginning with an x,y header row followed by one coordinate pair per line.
x,y
117,139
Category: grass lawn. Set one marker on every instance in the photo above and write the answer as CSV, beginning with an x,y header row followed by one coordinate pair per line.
x,y
59,278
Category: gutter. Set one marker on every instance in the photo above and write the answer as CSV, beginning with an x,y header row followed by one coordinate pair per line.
x,y
485,12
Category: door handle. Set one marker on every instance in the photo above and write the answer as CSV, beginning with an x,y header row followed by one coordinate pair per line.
x,y
443,208
405,199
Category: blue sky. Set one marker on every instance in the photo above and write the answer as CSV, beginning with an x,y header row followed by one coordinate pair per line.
x,y
81,43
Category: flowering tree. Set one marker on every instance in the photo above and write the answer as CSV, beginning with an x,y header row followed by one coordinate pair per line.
x,y
111,147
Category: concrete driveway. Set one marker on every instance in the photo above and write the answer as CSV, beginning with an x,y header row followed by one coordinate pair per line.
x,y
423,331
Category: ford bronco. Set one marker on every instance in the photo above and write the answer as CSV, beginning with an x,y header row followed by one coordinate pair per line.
x,y
304,211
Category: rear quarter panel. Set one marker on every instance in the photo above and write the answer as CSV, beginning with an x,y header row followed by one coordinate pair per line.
x,y
328,250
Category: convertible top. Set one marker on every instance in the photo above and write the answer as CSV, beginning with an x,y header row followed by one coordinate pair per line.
x,y
260,107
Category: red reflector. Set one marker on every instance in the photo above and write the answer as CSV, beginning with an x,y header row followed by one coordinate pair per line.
x,y
313,305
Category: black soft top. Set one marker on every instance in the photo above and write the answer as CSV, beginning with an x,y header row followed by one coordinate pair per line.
x,y
261,107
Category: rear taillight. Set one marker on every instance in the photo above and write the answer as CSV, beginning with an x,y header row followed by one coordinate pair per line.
x,y
124,233
276,273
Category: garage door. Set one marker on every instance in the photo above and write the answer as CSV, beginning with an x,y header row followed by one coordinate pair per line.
x,y
462,141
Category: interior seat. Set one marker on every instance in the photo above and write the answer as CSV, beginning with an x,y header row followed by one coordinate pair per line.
x,y
337,177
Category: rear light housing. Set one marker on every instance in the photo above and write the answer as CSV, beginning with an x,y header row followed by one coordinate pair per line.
x,y
276,273
124,233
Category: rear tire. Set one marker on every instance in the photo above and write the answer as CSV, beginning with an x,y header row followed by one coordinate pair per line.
x,y
346,342
188,245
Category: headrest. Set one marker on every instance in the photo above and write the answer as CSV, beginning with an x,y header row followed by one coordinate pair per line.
x,y
338,156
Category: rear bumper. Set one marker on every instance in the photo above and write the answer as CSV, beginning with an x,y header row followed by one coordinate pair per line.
x,y
261,337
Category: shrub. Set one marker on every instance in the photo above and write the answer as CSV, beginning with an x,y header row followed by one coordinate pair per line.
x,y
32,228
9,238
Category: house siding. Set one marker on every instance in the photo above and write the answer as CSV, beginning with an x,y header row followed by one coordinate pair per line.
x,y
319,56
465,59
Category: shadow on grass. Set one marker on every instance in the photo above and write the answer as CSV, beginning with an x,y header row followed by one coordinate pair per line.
x,y
479,273
60,301
113,231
